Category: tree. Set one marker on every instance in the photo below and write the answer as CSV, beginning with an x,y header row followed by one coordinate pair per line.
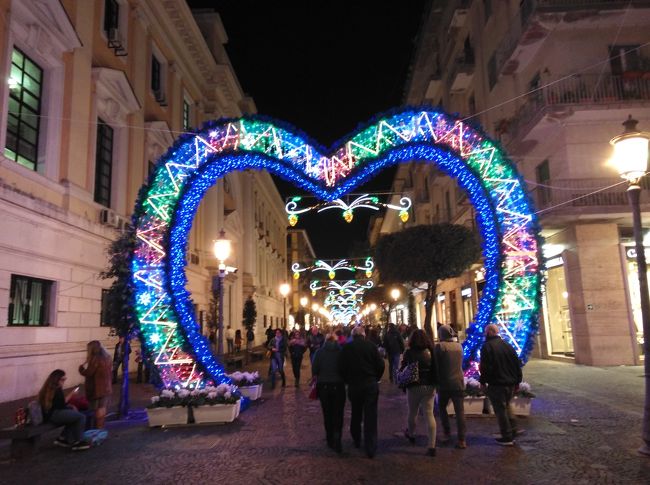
x,y
426,254
118,310
249,313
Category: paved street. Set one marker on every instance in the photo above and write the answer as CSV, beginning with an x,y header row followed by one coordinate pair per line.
x,y
584,429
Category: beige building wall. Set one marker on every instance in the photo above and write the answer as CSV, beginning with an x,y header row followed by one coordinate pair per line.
x,y
54,230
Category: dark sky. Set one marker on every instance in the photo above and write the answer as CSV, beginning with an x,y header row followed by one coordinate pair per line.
x,y
324,67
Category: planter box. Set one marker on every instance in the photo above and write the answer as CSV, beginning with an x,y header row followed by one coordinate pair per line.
x,y
167,416
217,413
473,406
520,406
251,392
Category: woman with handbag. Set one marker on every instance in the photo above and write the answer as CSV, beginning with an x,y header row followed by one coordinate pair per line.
x,y
326,372
418,376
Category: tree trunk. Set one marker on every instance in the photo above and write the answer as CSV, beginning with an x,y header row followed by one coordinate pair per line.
x,y
123,408
429,301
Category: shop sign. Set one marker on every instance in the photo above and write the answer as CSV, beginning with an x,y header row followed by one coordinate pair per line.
x,y
630,252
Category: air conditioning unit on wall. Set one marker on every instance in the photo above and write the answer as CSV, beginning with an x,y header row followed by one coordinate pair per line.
x,y
108,218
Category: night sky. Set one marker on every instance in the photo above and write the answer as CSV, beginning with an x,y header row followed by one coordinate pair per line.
x,y
324,67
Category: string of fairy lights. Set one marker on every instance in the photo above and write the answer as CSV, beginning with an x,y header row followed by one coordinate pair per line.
x,y
167,205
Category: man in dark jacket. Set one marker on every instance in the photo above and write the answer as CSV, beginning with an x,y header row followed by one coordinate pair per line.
x,y
394,345
362,368
501,371
326,369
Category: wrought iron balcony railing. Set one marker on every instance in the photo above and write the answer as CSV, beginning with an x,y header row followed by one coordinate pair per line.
x,y
571,93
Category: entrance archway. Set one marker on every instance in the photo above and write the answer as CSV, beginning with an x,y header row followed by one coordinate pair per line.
x,y
167,205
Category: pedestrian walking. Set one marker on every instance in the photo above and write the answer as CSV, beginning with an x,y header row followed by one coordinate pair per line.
x,y
362,368
421,393
270,334
230,339
238,340
278,348
297,348
97,371
118,357
501,372
394,346
315,340
326,369
451,383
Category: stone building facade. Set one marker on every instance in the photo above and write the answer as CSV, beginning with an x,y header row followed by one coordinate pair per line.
x,y
96,91
552,80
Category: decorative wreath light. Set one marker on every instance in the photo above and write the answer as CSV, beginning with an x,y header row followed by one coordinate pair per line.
x,y
163,216
365,201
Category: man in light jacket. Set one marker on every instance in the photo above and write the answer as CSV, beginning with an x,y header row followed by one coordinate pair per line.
x,y
451,383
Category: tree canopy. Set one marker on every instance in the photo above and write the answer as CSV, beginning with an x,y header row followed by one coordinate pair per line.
x,y
426,254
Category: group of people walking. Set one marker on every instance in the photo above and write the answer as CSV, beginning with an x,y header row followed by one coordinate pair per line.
x,y
356,363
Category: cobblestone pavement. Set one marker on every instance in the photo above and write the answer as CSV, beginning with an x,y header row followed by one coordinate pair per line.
x,y
585,429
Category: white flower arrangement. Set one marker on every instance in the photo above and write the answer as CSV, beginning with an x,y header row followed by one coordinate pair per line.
x,y
243,379
472,387
524,390
221,394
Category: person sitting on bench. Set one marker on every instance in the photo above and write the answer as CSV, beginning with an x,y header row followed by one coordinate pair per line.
x,y
56,410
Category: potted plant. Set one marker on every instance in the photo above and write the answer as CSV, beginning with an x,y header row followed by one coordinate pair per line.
x,y
220,404
474,400
249,384
169,408
520,404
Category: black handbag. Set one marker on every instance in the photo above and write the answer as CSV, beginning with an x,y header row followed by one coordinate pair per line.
x,y
408,374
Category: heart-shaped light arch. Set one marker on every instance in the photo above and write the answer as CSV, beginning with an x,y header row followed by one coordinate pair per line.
x,y
166,208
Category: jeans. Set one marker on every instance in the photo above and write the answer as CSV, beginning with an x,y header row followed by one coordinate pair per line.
x,y
74,422
332,400
500,397
393,366
231,345
277,365
417,396
296,363
458,400
363,400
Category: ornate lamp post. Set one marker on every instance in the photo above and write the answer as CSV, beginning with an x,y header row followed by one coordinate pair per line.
x,y
631,161
285,289
222,248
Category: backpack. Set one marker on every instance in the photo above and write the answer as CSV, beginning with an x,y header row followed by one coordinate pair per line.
x,y
35,413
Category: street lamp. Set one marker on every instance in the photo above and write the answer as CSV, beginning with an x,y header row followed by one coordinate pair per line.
x,y
304,301
395,294
284,291
222,248
631,161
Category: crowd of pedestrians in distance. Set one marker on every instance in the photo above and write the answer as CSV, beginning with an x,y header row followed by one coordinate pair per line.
x,y
351,361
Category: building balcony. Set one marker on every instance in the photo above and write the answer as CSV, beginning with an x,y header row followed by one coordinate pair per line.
x,y
462,73
526,31
562,98
584,197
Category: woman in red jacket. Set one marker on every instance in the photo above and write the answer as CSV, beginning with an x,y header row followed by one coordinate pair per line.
x,y
98,373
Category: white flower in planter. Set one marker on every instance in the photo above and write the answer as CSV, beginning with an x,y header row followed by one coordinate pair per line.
x,y
167,393
155,399
183,393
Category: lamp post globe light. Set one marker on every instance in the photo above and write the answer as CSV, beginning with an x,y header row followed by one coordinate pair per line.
x,y
222,248
284,291
304,302
631,160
